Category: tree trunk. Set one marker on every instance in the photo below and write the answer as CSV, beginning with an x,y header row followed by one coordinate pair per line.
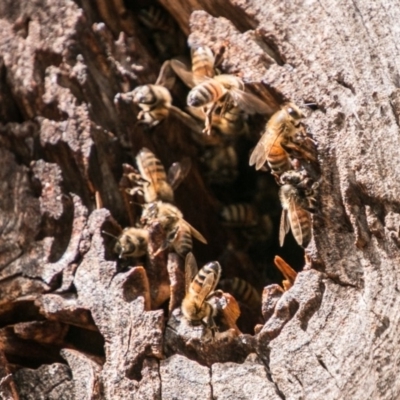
x,y
75,322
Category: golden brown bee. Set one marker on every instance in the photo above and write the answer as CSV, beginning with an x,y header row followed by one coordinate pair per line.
x,y
155,101
131,243
178,231
239,215
242,290
155,185
200,286
213,91
295,215
281,128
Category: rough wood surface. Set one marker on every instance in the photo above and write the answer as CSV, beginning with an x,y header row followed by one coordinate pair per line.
x,y
76,322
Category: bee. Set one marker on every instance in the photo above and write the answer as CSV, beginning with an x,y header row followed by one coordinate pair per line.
x,y
199,288
295,214
155,101
281,128
211,91
154,183
243,291
239,215
132,242
179,232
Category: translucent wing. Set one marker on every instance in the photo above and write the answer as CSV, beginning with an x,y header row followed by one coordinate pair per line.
x,y
283,227
183,71
178,171
206,288
186,119
190,270
249,103
295,222
166,76
195,233
259,155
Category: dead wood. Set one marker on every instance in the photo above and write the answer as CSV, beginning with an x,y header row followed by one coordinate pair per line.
x,y
76,322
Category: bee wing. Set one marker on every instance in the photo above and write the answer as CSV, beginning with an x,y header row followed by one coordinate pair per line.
x,y
178,171
283,227
166,76
195,233
259,155
295,221
186,119
183,71
207,287
249,103
190,270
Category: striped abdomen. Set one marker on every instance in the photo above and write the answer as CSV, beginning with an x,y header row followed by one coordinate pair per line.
x,y
242,290
202,64
239,215
206,92
153,171
277,157
213,268
182,242
300,224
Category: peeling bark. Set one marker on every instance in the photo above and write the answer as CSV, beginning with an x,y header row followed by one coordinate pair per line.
x,y
77,322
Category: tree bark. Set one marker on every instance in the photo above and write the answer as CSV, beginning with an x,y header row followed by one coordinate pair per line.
x,y
74,322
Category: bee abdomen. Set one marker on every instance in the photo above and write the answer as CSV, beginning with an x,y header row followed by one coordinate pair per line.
x,y
213,268
239,215
205,93
242,290
155,18
278,160
183,242
301,227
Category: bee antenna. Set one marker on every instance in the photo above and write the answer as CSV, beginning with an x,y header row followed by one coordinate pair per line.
x,y
109,234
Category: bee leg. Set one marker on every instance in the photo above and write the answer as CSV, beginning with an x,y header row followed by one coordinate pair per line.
x,y
208,121
169,239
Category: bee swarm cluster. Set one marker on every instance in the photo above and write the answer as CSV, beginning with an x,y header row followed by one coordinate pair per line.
x,y
254,210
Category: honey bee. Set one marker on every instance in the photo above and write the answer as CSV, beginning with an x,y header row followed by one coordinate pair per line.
x,y
239,215
178,231
295,215
242,290
281,128
211,91
131,243
155,101
203,62
154,183
200,286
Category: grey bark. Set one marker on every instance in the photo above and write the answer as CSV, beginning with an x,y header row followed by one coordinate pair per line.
x,y
72,325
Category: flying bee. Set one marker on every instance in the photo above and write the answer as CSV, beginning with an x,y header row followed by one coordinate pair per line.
x,y
155,100
296,205
281,127
242,290
199,288
239,215
131,243
153,182
179,232
211,91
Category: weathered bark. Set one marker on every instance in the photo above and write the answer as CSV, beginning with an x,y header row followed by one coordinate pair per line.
x,y
77,323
